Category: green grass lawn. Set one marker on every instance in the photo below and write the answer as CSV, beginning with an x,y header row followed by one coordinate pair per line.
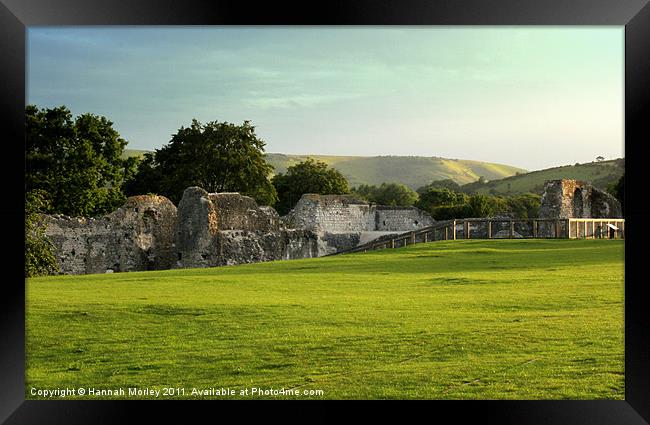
x,y
500,319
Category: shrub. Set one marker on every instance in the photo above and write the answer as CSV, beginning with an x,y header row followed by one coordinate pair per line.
x,y
39,252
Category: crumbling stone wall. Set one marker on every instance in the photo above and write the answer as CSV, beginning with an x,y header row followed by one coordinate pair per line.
x,y
334,213
343,222
238,212
400,219
137,236
216,229
568,198
344,213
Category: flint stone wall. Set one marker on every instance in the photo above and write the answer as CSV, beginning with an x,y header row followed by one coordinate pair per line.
x,y
137,236
215,229
228,228
344,213
577,199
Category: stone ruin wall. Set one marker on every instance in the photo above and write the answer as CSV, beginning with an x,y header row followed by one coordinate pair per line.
x,y
400,219
569,198
334,213
213,229
343,222
137,236
228,228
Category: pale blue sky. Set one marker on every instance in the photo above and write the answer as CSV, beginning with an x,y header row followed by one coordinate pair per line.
x,y
532,97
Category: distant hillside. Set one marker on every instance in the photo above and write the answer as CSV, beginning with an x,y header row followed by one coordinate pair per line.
x,y
417,171
413,171
133,152
600,174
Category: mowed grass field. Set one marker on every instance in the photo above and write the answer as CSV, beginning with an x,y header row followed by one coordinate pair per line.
x,y
499,319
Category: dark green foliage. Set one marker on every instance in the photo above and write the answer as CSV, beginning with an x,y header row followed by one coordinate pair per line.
x,y
393,194
307,177
148,178
39,252
482,206
618,190
440,184
444,204
217,156
523,206
76,163
439,197
450,212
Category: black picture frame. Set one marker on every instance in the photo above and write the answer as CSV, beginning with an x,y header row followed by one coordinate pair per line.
x,y
16,15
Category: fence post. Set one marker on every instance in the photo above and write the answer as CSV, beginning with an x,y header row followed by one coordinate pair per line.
x,y
535,229
426,237
454,230
489,228
413,237
623,229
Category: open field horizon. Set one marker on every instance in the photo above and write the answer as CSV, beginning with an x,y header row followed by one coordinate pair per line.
x,y
497,319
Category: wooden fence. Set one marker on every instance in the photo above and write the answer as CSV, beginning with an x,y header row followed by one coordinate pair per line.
x,y
503,228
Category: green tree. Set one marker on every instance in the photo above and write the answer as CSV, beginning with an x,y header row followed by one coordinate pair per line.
x,y
307,177
365,192
436,197
393,194
523,206
147,179
440,184
482,206
39,252
217,156
76,163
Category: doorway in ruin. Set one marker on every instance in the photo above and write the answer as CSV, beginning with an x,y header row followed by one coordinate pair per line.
x,y
578,203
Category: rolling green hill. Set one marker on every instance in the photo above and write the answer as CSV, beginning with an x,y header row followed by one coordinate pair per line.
x,y
498,319
600,174
413,171
417,171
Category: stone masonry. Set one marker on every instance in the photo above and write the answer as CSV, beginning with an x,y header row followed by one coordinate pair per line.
x,y
214,229
343,222
577,199
137,236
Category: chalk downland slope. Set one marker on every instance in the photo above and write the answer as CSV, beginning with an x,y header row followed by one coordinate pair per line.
x,y
412,171
600,174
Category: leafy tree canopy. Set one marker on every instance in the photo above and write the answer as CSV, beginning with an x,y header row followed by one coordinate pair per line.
x,y
438,197
307,177
440,184
39,252
217,156
393,194
76,164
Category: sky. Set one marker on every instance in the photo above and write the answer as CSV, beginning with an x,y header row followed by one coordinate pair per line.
x,y
531,97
